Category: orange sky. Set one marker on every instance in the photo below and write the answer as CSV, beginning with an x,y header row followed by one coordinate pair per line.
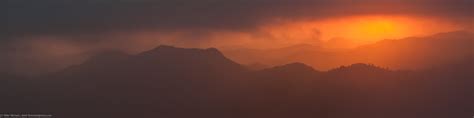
x,y
360,29
354,30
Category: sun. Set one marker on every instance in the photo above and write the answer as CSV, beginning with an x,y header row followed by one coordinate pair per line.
x,y
372,29
358,30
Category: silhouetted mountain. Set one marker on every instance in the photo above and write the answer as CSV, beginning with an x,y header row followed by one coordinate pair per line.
x,y
292,67
181,83
358,70
162,60
181,77
359,67
418,52
407,53
188,58
278,56
287,73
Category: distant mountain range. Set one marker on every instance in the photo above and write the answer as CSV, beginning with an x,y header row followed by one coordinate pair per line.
x,y
408,53
170,82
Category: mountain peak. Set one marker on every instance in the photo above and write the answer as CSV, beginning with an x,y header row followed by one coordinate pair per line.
x,y
164,47
359,67
213,51
163,59
173,49
297,66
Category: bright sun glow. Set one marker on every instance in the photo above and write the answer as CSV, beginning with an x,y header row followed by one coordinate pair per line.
x,y
368,29
377,28
359,29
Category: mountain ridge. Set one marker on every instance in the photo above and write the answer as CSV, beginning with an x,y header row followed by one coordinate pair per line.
x,y
178,82
401,54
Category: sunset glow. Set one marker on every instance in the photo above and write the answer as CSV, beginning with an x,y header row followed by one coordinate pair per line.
x,y
360,29
237,59
377,28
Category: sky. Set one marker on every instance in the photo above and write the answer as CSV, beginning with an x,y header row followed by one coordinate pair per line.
x,y
50,33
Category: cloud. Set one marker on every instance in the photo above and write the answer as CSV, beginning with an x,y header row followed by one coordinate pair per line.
x,y
26,17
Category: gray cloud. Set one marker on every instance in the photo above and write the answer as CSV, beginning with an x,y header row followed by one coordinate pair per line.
x,y
26,17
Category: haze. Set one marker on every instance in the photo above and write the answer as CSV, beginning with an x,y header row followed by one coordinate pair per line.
x,y
46,36
237,58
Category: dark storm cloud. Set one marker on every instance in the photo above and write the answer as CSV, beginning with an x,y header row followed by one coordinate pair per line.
x,y
98,16
26,17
